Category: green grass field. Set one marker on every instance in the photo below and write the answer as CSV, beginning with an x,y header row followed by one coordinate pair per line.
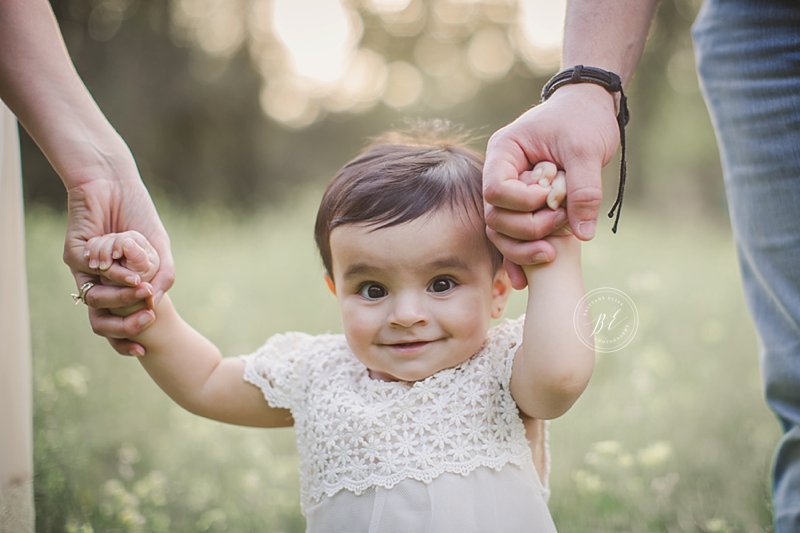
x,y
671,435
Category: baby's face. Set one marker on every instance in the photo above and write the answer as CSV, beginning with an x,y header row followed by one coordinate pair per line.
x,y
418,297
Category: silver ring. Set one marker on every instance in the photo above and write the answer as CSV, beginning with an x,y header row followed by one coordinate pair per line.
x,y
82,291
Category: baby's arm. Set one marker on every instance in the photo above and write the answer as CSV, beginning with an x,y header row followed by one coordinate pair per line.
x,y
186,365
552,366
191,370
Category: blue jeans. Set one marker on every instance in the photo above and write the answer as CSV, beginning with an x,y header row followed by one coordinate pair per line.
x,y
748,56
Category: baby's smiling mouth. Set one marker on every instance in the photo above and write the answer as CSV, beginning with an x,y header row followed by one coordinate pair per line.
x,y
407,345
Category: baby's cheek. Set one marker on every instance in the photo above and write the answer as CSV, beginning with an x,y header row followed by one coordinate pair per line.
x,y
357,334
360,329
474,319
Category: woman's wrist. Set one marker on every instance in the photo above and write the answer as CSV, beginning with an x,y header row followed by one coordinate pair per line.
x,y
91,156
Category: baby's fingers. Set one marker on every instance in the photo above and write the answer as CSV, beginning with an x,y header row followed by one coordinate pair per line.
x,y
99,252
139,255
136,258
544,172
558,191
541,174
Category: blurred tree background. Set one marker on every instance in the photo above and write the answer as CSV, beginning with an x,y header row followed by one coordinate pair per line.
x,y
235,102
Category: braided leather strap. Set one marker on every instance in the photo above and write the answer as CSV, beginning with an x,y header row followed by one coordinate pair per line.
x,y
612,83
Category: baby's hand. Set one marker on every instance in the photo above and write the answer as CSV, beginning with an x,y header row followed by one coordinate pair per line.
x,y
547,175
129,255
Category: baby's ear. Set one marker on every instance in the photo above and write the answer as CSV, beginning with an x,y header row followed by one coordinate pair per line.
x,y
501,290
330,284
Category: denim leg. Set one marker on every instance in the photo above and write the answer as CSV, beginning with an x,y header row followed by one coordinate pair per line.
x,y
748,59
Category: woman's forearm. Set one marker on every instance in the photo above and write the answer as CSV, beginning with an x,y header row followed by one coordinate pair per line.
x,y
40,85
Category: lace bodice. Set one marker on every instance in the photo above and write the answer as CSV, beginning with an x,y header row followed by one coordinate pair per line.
x,y
355,433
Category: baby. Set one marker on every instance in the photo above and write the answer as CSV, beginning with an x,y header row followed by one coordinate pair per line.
x,y
413,419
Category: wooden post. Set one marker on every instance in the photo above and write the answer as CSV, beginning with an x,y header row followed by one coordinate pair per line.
x,y
16,413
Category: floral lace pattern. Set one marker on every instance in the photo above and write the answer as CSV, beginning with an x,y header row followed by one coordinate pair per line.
x,y
355,433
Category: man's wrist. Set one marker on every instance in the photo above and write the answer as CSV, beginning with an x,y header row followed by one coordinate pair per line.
x,y
612,84
590,93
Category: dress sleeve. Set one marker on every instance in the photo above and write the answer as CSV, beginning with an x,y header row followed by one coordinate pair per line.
x,y
277,368
506,338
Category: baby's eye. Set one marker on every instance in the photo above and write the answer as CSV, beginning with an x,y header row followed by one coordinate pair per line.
x,y
442,285
372,291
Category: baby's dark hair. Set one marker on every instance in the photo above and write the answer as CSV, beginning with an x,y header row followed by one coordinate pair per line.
x,y
401,176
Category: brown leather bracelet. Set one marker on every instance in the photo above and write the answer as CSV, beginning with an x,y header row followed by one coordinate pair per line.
x,y
612,83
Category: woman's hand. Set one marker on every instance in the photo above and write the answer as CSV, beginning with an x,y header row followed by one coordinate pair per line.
x,y
100,206
105,194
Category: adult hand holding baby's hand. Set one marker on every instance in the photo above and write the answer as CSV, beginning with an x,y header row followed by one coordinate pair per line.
x,y
577,130
548,184
129,257
115,200
125,258
547,175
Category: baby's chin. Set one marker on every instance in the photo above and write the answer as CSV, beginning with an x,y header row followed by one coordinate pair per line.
x,y
377,375
404,376
408,375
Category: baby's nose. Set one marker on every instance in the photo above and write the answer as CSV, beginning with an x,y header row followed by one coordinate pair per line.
x,y
408,310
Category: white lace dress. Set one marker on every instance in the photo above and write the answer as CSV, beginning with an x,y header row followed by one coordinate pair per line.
x,y
445,454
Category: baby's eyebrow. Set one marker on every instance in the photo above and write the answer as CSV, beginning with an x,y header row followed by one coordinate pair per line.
x,y
359,269
444,263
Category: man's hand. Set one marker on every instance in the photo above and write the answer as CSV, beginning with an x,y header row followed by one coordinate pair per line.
x,y
577,130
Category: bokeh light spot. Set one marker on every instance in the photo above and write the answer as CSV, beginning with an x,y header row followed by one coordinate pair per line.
x,y
318,51
404,84
287,103
489,54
